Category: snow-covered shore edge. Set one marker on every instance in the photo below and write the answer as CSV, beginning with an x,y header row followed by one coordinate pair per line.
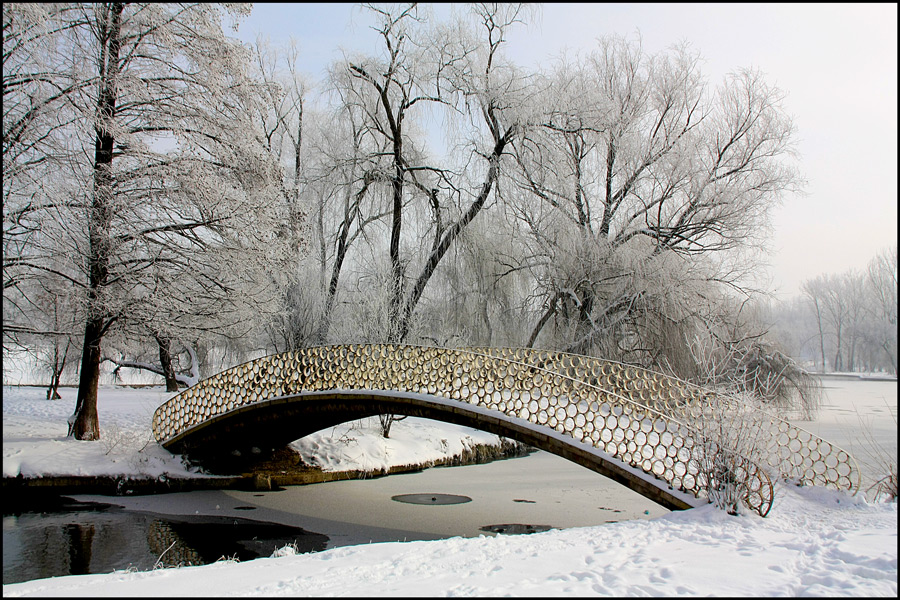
x,y
816,542
264,478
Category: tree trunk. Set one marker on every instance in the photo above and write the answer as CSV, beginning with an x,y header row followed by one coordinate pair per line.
x,y
585,327
350,212
84,424
386,421
397,333
58,366
551,310
821,333
886,346
448,238
165,361
838,360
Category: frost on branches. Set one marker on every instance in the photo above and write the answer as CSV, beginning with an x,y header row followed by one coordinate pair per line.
x,y
151,189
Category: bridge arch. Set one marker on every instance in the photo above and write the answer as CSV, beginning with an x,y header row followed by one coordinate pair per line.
x,y
639,427
280,420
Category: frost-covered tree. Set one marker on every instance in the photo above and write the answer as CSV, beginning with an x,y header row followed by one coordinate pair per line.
x,y
830,295
282,116
383,206
405,204
458,72
644,184
36,112
159,203
881,285
475,298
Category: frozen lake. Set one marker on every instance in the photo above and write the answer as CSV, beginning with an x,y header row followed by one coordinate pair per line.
x,y
536,492
539,490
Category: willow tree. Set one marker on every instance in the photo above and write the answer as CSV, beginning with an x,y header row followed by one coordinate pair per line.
x,y
161,213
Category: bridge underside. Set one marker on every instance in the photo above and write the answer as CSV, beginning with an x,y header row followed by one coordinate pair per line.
x,y
272,424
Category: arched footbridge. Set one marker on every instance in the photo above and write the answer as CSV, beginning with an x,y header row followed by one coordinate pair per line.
x,y
667,439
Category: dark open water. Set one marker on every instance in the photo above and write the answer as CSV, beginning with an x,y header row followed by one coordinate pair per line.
x,y
71,538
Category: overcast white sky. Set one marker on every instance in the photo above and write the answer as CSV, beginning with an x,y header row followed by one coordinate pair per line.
x,y
837,63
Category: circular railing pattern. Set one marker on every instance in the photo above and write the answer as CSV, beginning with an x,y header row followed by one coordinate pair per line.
x,y
644,419
789,451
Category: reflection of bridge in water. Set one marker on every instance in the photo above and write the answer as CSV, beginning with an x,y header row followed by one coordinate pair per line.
x,y
653,433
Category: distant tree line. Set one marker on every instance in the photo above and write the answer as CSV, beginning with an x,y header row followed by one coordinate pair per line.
x,y
845,321
176,201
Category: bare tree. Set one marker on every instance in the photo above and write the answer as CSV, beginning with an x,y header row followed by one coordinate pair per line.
x,y
345,177
814,290
856,315
421,70
463,77
37,89
831,296
881,279
281,118
736,351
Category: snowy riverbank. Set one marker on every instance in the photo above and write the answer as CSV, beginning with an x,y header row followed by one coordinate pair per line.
x,y
814,542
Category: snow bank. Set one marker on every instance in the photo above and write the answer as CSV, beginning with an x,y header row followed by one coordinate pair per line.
x,y
359,445
35,442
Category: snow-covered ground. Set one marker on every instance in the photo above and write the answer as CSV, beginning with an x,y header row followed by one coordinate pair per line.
x,y
814,542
